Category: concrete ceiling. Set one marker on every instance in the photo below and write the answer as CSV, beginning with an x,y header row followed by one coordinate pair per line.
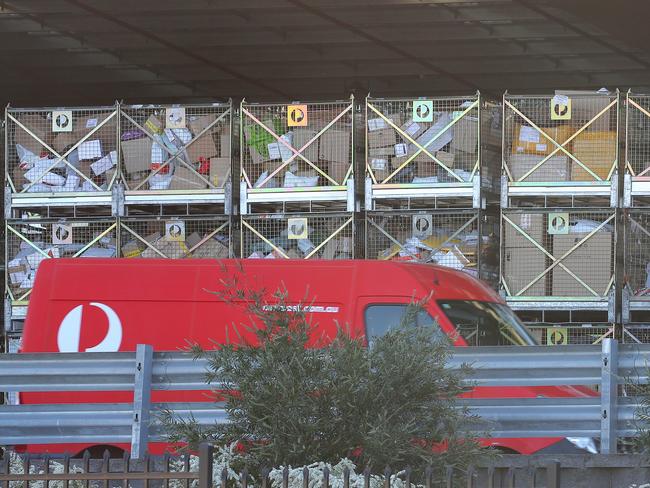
x,y
81,52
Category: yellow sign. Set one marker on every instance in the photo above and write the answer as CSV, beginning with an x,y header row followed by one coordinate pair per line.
x,y
297,115
560,108
557,336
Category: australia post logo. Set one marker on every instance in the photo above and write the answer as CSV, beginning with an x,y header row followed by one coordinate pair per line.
x,y
70,330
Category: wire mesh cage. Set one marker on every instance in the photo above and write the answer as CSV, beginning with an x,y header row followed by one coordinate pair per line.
x,y
429,141
637,135
30,241
299,145
558,253
566,137
70,150
298,236
175,238
459,240
176,148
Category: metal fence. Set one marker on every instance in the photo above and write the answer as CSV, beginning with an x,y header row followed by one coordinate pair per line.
x,y
93,471
30,241
561,138
298,236
607,416
175,237
176,148
561,254
71,150
203,471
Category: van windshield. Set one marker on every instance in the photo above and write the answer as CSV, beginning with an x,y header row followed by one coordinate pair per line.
x,y
485,323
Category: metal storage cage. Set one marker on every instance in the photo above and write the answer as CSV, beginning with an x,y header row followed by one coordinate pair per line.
x,y
296,152
60,156
442,148
30,241
176,154
463,240
175,237
636,296
558,335
637,149
561,259
561,146
298,236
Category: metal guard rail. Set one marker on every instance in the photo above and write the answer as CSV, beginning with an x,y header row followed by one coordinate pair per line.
x,y
606,416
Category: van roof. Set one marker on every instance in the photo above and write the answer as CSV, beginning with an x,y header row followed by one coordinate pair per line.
x,y
146,279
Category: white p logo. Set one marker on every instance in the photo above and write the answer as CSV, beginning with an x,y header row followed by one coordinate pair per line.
x,y
69,334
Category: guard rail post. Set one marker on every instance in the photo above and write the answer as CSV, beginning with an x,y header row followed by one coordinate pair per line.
x,y
609,396
141,401
206,452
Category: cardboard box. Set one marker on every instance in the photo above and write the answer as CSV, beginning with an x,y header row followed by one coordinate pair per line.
x,y
432,139
211,248
591,262
585,105
465,135
197,123
171,249
64,140
203,147
39,126
597,151
376,123
381,168
107,133
136,155
186,179
224,145
335,146
219,171
382,138
302,136
426,167
528,140
414,129
154,125
556,168
522,260
380,152
337,171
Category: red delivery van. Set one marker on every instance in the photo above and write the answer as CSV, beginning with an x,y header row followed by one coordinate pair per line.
x,y
105,305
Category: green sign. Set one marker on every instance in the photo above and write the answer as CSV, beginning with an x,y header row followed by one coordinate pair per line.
x,y
422,111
